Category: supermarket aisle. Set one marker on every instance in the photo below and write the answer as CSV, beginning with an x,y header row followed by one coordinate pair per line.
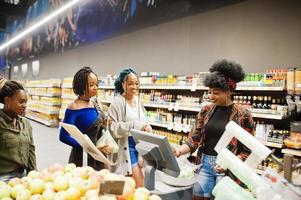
x,y
49,149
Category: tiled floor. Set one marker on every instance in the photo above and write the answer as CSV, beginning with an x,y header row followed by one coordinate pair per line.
x,y
49,149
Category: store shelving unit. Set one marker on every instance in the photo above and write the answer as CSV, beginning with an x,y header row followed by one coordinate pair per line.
x,y
44,102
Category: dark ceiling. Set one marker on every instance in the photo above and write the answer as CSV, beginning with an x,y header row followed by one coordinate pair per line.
x,y
11,10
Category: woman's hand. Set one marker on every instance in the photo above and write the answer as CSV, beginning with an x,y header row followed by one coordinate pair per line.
x,y
147,128
218,169
105,149
104,123
176,152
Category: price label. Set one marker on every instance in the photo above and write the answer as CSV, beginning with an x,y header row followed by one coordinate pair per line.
x,y
111,187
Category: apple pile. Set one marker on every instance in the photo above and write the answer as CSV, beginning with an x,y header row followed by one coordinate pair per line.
x,y
69,183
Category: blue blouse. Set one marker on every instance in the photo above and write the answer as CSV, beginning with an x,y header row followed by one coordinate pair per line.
x,y
82,119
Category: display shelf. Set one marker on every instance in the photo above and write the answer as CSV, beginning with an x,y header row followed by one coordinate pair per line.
x,y
268,116
273,144
44,103
47,85
293,152
245,88
43,121
47,112
67,85
68,96
46,94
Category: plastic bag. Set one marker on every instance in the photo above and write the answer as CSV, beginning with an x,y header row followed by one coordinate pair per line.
x,y
107,139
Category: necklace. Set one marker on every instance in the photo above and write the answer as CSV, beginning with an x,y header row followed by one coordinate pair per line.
x,y
83,99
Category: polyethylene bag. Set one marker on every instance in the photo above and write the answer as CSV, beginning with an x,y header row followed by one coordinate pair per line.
x,y
107,139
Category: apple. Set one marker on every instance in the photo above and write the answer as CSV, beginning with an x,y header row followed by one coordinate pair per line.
x,y
107,197
34,174
48,194
46,176
14,181
16,189
60,183
36,197
130,181
57,174
76,172
23,195
7,198
103,172
85,172
85,185
61,195
141,194
154,197
37,186
75,182
91,195
2,183
72,193
112,177
48,185
55,167
4,191
69,167
25,181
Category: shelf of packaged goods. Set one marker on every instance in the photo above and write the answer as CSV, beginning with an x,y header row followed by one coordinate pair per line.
x,y
48,85
293,152
160,87
68,96
273,144
67,85
44,103
260,88
47,112
267,116
43,121
46,95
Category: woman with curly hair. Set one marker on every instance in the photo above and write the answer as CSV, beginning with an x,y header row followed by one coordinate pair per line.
x,y
125,113
210,125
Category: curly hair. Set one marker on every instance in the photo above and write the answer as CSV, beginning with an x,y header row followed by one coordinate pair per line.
x,y
80,81
224,75
121,77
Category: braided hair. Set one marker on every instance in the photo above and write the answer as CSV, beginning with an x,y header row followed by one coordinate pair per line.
x,y
122,77
8,88
224,75
80,81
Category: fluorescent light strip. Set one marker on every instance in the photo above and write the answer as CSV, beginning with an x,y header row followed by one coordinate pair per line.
x,y
39,23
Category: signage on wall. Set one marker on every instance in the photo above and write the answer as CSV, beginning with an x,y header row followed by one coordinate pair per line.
x,y
24,69
35,68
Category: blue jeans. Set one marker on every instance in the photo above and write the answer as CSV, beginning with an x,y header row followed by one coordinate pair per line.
x,y
8,176
207,177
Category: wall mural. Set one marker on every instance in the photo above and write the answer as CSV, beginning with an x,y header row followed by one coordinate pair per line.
x,y
93,21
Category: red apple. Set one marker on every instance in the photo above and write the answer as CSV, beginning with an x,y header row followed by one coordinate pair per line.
x,y
55,167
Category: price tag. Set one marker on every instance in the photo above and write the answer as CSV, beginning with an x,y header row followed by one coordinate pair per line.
x,y
111,187
194,84
176,108
170,107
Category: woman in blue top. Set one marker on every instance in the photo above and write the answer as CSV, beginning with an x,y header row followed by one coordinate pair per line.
x,y
86,115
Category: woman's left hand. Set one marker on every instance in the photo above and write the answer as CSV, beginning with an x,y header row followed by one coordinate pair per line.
x,y
105,149
218,169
